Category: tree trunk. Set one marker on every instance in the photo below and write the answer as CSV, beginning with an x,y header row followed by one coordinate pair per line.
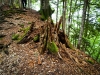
x,y
45,9
82,24
69,18
12,3
29,3
64,17
57,11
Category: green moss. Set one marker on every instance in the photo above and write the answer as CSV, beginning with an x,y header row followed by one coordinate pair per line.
x,y
29,22
36,38
0,38
42,17
25,30
52,47
15,36
20,37
90,61
21,25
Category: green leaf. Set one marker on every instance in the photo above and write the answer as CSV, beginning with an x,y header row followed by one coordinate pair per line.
x,y
98,19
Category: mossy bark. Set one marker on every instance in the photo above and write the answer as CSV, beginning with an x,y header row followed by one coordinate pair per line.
x,y
45,9
26,37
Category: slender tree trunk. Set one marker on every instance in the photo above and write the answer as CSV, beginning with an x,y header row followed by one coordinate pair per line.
x,y
64,17
12,2
57,11
29,3
69,18
20,4
82,24
86,26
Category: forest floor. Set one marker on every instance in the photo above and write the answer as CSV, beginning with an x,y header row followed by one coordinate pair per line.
x,y
25,59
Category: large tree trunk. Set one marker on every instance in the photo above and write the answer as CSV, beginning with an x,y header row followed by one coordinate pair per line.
x,y
45,9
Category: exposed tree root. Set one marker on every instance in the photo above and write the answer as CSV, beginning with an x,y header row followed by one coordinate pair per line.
x,y
26,37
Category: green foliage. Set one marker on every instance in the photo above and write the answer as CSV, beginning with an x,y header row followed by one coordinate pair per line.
x,y
33,1
98,19
52,47
98,60
86,41
92,47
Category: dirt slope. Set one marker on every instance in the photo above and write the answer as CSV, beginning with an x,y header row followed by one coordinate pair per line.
x,y
24,59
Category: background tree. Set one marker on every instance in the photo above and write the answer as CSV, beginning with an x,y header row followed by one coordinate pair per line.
x,y
82,23
45,9
64,16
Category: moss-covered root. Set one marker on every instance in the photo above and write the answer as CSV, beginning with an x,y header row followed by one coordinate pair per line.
x,y
52,47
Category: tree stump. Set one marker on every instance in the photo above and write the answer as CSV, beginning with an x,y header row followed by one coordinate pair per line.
x,y
52,36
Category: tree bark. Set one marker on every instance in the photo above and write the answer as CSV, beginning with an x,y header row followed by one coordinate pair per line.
x,y
45,9
69,18
82,24
64,17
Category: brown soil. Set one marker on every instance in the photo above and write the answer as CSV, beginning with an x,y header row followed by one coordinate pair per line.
x,y
24,59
